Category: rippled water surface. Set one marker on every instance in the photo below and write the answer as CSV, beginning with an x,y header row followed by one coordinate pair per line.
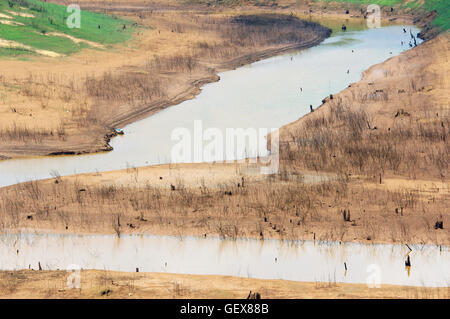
x,y
269,259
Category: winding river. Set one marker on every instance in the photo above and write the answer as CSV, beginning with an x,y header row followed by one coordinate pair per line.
x,y
266,94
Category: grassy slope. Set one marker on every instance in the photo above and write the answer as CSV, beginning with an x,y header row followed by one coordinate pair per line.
x,y
442,7
50,17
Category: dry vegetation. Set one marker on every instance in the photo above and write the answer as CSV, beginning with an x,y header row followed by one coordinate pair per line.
x,y
285,206
173,54
110,285
348,142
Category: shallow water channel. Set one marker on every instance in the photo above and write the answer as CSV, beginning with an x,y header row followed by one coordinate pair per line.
x,y
265,94
268,259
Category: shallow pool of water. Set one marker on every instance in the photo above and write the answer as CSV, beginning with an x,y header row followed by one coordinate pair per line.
x,y
269,259
265,94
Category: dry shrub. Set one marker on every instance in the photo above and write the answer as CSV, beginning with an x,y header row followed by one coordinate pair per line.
x,y
125,87
345,141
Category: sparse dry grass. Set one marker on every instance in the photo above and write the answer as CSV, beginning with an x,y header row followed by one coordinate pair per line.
x,y
215,40
348,142
272,208
110,285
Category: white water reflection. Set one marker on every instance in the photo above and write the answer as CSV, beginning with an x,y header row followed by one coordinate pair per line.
x,y
265,94
269,259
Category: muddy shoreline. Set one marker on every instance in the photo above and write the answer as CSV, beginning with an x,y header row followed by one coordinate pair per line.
x,y
197,84
109,285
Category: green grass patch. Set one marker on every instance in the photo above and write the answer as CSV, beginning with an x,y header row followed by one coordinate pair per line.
x,y
38,41
49,17
442,7
4,52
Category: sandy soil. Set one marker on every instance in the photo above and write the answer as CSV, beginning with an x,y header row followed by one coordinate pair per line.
x,y
17,45
108,284
209,200
9,22
77,40
21,14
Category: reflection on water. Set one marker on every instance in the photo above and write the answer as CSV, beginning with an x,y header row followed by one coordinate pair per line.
x,y
269,259
265,94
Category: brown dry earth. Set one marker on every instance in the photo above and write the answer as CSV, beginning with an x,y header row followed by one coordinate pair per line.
x,y
108,284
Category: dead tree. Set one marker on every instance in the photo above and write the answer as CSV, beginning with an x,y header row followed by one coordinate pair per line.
x,y
254,295
408,262
346,215
439,224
